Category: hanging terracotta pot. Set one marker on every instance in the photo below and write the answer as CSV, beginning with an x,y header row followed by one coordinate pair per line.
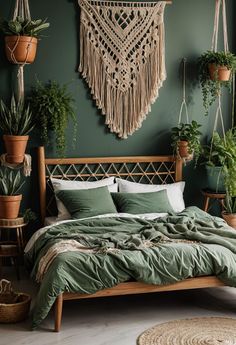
x,y
183,150
230,218
20,49
10,206
220,73
15,147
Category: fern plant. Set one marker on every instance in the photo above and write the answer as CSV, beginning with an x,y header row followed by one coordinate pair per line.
x,y
211,88
54,106
17,119
24,27
10,181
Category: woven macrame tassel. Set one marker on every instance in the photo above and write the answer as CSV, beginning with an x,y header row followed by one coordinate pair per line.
x,y
124,108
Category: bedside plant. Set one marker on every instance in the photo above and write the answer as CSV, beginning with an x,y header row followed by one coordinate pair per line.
x,y
21,38
11,183
225,147
54,106
215,70
186,140
16,122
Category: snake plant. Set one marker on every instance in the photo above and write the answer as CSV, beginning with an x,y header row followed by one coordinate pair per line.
x,y
17,119
10,181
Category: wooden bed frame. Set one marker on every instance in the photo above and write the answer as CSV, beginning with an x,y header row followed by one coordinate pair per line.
x,y
144,169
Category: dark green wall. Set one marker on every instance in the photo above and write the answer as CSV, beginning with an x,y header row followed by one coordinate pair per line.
x,y
189,25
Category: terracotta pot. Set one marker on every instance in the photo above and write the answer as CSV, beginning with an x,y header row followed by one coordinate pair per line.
x,y
230,218
220,73
10,206
183,150
20,49
15,147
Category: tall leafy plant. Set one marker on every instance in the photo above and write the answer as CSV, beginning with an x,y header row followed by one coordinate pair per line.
x,y
17,119
225,147
54,106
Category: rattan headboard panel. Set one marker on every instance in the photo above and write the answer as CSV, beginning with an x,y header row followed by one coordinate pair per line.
x,y
144,169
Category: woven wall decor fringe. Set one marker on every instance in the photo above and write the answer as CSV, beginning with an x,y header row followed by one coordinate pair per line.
x,y
122,58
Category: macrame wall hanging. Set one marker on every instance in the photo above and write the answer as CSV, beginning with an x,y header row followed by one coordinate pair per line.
x,y
122,58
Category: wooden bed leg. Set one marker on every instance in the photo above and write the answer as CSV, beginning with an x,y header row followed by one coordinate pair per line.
x,y
58,312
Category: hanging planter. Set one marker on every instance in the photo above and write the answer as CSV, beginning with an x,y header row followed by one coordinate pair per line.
x,y
21,38
16,122
20,49
215,70
186,140
219,73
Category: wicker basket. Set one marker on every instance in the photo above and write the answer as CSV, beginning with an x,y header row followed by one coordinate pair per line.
x,y
14,306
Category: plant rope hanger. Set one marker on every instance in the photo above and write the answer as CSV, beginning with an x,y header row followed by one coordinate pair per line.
x,y
122,58
21,10
219,4
184,104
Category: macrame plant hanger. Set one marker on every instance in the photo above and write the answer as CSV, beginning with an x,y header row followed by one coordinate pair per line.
x,y
219,4
184,104
21,10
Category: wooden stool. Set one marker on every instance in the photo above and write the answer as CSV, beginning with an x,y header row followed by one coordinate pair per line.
x,y
9,247
209,195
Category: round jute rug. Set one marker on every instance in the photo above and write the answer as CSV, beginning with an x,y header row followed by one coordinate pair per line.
x,y
199,331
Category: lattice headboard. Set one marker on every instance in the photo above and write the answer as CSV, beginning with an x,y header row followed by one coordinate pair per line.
x,y
144,169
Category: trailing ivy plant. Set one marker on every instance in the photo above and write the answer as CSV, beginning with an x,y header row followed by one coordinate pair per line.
x,y
23,27
211,88
187,132
53,105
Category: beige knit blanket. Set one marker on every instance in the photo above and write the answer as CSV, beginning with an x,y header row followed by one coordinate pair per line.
x,y
122,58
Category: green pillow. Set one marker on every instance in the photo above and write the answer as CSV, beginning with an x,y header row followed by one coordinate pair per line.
x,y
138,203
87,202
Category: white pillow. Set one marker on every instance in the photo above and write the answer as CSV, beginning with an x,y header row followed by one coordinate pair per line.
x,y
174,191
59,184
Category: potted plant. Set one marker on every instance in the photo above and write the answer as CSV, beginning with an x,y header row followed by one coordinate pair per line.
x,y
215,70
21,38
10,199
16,122
225,148
54,106
186,140
212,159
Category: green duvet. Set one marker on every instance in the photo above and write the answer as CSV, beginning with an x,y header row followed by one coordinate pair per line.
x,y
160,251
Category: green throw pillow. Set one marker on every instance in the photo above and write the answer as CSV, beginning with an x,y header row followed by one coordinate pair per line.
x,y
138,203
87,202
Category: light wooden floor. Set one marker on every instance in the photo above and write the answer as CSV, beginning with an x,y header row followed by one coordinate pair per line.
x,y
118,320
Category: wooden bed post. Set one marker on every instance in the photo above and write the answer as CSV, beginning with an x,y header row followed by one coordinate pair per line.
x,y
178,170
42,182
58,312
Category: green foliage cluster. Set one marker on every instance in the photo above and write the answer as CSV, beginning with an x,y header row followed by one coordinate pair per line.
x,y
225,149
24,27
190,133
11,181
211,88
53,105
16,119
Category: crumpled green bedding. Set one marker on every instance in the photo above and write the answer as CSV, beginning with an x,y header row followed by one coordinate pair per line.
x,y
160,251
